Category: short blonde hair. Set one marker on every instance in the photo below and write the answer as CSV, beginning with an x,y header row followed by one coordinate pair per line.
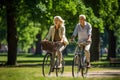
x,y
82,16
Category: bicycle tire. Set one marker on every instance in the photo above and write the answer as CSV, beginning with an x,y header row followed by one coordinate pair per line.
x,y
75,66
84,68
59,71
46,66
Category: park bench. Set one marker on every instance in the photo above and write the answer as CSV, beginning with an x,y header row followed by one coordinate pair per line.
x,y
115,61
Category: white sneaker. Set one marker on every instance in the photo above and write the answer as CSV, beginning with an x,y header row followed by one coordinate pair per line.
x,y
88,65
60,65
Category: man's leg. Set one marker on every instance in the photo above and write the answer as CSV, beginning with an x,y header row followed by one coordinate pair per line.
x,y
87,54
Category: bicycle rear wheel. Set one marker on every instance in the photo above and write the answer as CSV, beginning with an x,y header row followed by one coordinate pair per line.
x,y
75,66
59,71
46,66
84,69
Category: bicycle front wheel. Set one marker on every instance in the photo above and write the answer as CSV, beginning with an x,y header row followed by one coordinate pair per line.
x,y
59,71
46,66
75,66
84,69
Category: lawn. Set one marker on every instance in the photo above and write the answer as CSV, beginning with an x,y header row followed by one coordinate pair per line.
x,y
29,68
35,73
37,59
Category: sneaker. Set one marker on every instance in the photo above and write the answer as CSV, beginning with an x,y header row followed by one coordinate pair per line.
x,y
60,65
88,65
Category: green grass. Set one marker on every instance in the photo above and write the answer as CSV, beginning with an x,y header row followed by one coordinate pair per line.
x,y
35,73
37,59
27,69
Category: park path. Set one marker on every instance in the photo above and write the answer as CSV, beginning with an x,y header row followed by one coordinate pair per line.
x,y
108,73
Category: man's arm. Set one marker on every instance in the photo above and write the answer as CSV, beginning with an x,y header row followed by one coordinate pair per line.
x,y
89,32
75,32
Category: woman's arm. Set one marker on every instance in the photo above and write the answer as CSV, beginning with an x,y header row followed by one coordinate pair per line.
x,y
49,34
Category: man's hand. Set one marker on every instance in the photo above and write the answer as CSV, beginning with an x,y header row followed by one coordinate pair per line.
x,y
72,39
89,40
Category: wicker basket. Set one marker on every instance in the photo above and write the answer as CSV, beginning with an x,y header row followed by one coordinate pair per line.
x,y
49,46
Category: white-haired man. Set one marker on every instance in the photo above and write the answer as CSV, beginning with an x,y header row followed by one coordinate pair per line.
x,y
84,30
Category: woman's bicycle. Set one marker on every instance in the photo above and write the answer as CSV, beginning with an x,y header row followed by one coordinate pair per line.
x,y
51,59
79,63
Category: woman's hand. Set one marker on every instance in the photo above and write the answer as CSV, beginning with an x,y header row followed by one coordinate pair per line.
x,y
45,40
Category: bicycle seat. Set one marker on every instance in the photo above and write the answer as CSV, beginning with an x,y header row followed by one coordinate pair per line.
x,y
84,43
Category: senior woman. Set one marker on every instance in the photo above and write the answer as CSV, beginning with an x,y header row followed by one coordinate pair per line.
x,y
57,34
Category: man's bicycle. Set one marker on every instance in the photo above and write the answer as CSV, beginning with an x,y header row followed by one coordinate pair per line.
x,y
51,59
79,63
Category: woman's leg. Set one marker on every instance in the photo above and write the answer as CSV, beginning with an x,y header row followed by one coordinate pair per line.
x,y
62,47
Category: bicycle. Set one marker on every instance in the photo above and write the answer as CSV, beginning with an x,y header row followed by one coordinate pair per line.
x,y
79,60
51,59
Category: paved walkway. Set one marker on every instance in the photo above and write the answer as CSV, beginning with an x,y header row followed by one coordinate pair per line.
x,y
104,74
109,73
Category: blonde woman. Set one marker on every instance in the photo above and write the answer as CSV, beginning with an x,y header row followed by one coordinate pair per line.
x,y
57,33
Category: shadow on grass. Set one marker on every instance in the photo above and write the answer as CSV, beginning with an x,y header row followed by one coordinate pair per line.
x,y
42,55
30,63
68,61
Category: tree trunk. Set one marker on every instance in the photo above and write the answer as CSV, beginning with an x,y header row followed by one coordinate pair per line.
x,y
11,32
94,50
112,45
38,45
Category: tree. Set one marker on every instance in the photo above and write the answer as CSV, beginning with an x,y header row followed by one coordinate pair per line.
x,y
11,32
38,45
30,21
108,11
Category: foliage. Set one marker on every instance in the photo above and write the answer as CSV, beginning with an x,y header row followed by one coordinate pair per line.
x,y
108,10
29,22
117,31
2,25
35,16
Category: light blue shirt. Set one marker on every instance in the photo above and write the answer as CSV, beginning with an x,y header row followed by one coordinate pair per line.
x,y
82,33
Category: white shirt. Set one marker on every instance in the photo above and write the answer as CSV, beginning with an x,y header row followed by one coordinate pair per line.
x,y
83,32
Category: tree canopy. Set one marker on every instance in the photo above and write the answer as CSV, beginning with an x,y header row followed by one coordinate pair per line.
x,y
34,17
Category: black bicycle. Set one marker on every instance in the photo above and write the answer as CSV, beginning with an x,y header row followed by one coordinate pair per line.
x,y
51,60
79,63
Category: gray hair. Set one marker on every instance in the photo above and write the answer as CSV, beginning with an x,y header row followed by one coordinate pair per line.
x,y
82,16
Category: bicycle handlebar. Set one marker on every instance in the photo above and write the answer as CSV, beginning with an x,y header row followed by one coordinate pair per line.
x,y
83,43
